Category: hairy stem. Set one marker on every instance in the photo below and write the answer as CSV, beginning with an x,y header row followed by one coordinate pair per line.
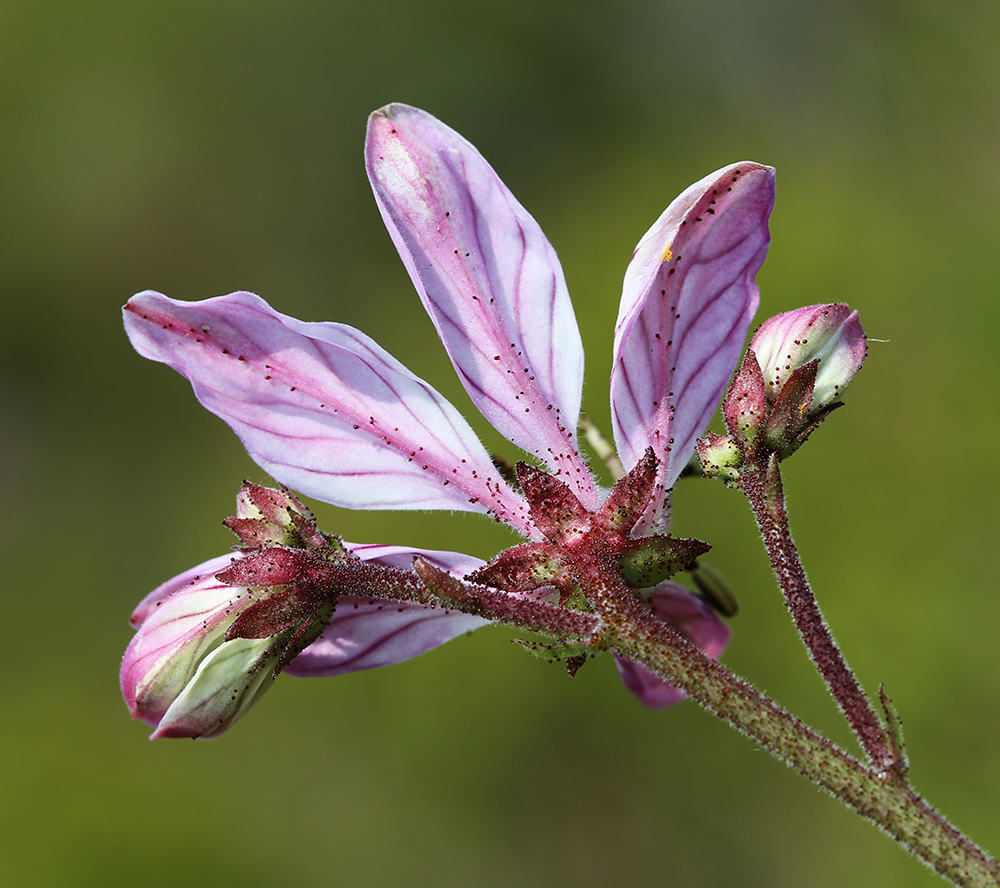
x,y
882,797
626,625
762,486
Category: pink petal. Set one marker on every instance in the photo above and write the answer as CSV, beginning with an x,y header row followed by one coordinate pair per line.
x,y
490,281
651,690
189,578
675,605
830,334
322,407
366,633
176,633
687,301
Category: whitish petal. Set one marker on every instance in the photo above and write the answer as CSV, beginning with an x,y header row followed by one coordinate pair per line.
x,y
322,407
228,682
687,301
830,334
192,577
490,281
687,613
177,632
366,633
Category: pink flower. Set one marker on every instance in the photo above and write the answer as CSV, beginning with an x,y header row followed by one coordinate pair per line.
x,y
326,411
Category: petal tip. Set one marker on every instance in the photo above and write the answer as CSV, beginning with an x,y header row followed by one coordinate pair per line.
x,y
392,111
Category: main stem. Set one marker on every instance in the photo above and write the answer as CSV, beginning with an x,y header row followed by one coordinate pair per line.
x,y
624,624
883,797
762,486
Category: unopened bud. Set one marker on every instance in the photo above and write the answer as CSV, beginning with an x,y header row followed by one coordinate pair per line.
x,y
210,643
269,517
719,457
204,656
829,334
808,358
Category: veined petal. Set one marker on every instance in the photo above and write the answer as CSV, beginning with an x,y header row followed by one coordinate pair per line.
x,y
687,302
490,281
205,570
687,613
177,632
322,407
830,334
365,633
227,683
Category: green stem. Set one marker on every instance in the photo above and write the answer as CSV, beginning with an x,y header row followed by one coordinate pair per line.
x,y
626,625
883,797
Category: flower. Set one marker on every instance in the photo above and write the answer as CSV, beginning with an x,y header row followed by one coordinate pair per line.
x,y
326,411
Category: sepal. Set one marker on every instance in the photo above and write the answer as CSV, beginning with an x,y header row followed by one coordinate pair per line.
x,y
745,406
523,568
554,508
791,411
649,561
630,496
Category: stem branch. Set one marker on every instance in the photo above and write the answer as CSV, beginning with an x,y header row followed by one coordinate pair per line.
x,y
624,624
879,796
763,489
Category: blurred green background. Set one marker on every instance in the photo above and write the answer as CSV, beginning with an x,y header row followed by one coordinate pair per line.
x,y
202,147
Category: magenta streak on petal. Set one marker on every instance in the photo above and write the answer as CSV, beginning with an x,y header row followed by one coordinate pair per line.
x,y
189,578
323,408
180,625
490,282
687,302
367,634
711,336
402,557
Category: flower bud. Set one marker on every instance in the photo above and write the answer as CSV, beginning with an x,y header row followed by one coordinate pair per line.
x,y
719,457
189,674
269,517
210,642
166,654
208,651
808,357
830,334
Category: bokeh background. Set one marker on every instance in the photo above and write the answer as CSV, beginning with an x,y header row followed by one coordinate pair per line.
x,y
203,147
